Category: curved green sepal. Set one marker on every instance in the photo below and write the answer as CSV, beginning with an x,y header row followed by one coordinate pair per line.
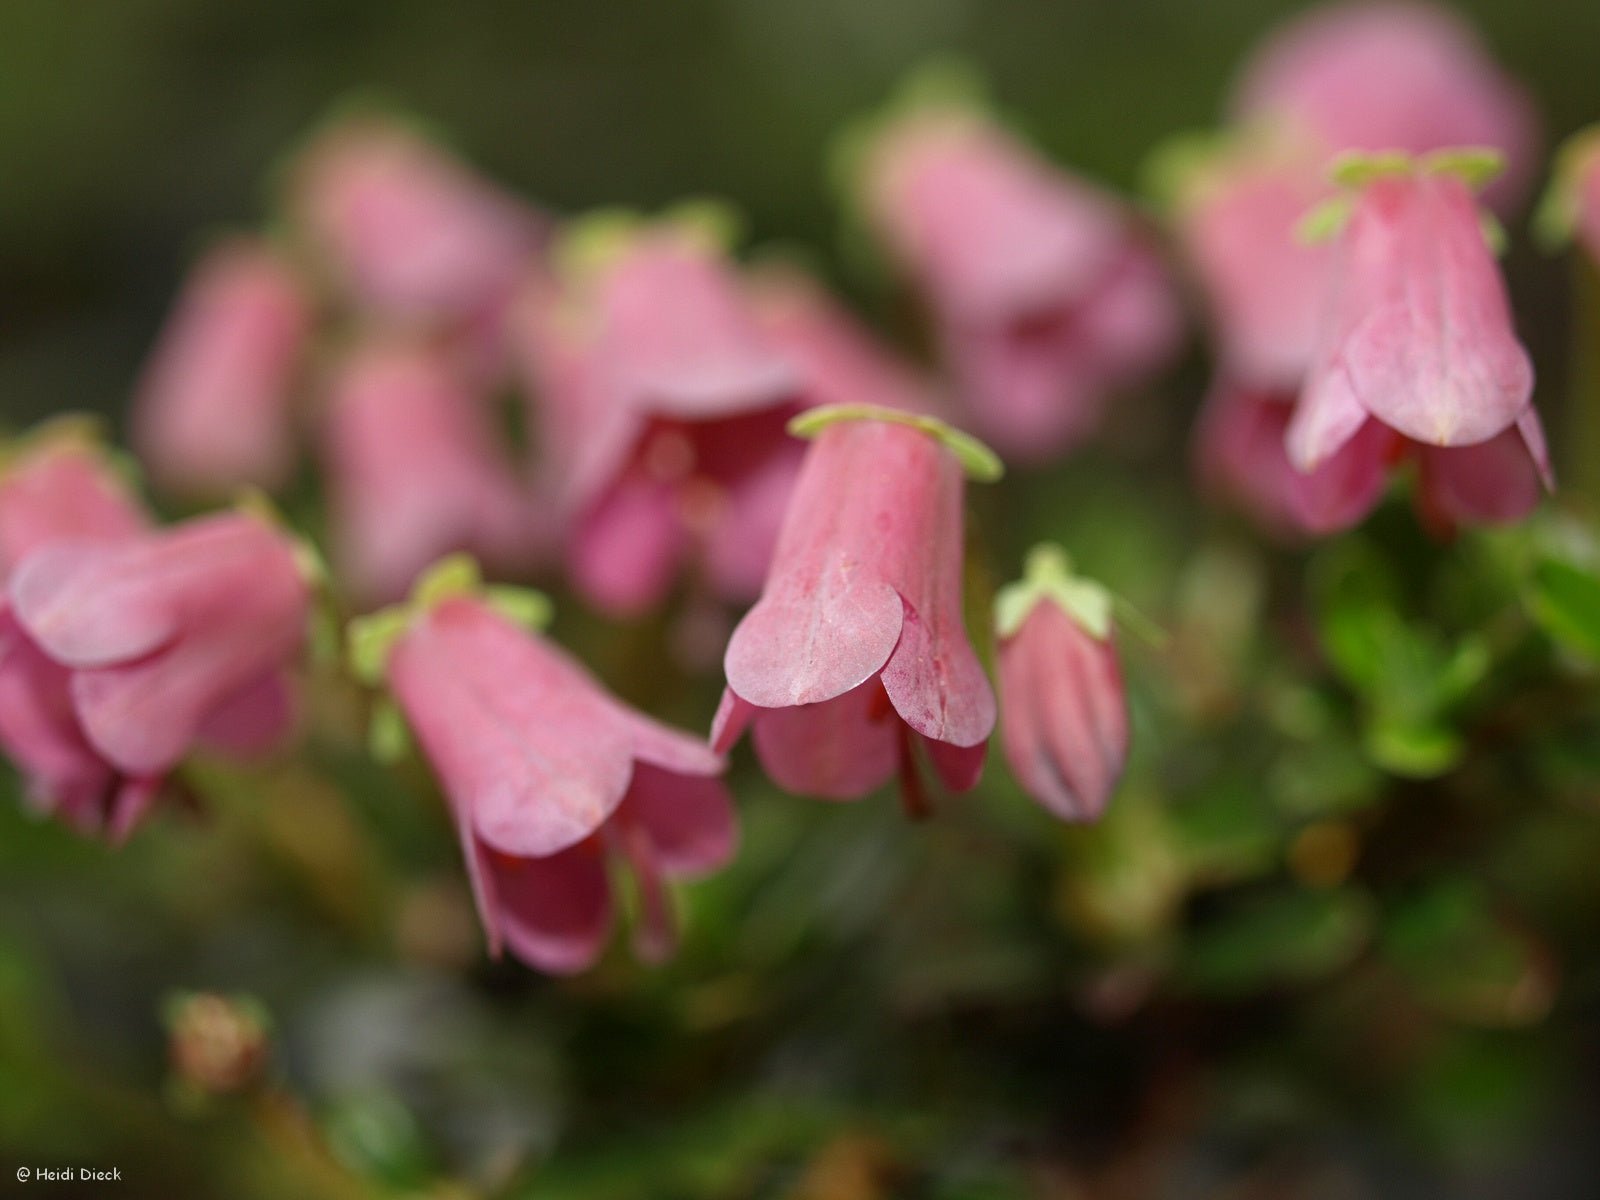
x,y
77,430
1356,169
590,243
453,575
369,639
1326,221
1476,166
1556,218
982,464
526,607
388,737
1048,575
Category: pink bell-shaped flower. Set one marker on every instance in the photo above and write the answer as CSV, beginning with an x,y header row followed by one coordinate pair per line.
x,y
856,649
59,486
1063,709
1418,339
660,405
550,778
415,473
215,410
1571,206
169,639
1392,76
1044,295
411,234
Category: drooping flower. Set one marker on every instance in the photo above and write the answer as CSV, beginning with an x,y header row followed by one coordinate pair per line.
x,y
214,412
59,486
549,777
856,650
1418,339
1063,708
1410,77
169,639
415,474
660,406
412,235
1045,296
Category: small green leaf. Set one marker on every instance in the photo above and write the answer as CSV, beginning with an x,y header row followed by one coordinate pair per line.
x,y
1566,604
982,464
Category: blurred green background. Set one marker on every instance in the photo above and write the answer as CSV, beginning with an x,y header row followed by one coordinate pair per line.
x,y
1336,938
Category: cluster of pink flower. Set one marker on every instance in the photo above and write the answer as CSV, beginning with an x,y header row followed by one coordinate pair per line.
x,y
672,397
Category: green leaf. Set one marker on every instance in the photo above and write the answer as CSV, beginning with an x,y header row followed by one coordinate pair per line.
x,y
1566,604
1290,937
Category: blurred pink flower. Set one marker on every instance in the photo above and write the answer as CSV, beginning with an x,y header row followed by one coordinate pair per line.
x,y
1045,296
215,409
1419,339
169,639
1236,219
413,236
1063,710
59,488
1240,456
660,406
840,360
414,473
1404,76
550,778
857,642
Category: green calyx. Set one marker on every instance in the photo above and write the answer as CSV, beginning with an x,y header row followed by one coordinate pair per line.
x,y
1048,575
982,464
370,639
1475,166
592,243
1556,218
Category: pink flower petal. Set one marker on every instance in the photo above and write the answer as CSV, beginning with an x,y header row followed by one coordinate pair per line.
x,y
554,913
840,749
254,720
688,821
520,735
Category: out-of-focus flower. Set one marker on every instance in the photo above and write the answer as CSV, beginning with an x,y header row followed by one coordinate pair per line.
x,y
59,486
414,473
1063,709
1240,456
1045,296
856,649
215,410
1236,210
548,776
412,235
1406,76
169,639
839,359
660,406
1571,206
1418,339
